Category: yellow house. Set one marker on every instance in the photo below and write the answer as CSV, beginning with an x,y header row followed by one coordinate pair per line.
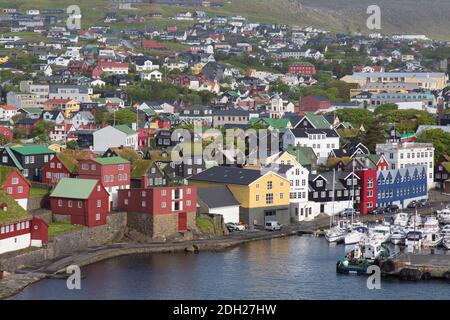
x,y
197,68
262,197
282,158
66,106
56,147
3,59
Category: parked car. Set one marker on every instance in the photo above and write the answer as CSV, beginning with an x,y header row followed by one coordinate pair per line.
x,y
231,226
391,208
272,226
413,204
377,211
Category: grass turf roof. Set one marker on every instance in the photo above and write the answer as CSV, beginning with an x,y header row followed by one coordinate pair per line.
x,y
5,172
14,213
126,153
70,158
140,167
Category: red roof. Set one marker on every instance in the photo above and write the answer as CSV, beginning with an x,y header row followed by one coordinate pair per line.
x,y
106,64
8,107
152,44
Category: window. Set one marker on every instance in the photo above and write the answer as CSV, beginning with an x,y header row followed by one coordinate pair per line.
x,y
120,167
143,204
281,195
257,197
163,204
269,198
370,183
97,217
52,165
15,180
163,192
125,201
98,188
59,203
99,203
69,203
370,193
188,202
93,167
269,185
319,183
9,190
80,204
188,191
85,166
5,159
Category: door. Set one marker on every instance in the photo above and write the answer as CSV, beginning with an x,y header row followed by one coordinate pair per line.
x,y
270,215
182,221
322,208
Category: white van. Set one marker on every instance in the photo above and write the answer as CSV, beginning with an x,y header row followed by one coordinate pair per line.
x,y
272,226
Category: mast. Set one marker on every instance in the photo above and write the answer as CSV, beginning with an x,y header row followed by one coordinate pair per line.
x,y
332,211
353,189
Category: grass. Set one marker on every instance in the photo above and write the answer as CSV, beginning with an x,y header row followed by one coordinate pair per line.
x,y
58,228
14,212
38,191
205,224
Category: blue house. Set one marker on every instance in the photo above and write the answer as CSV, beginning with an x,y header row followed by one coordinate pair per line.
x,y
401,186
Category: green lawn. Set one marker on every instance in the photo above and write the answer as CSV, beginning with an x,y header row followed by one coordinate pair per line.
x,y
57,228
38,192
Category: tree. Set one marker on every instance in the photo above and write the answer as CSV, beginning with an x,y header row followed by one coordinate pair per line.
x,y
375,133
72,144
440,140
355,116
385,108
41,130
122,116
3,139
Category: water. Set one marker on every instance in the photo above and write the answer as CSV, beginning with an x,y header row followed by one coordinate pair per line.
x,y
286,268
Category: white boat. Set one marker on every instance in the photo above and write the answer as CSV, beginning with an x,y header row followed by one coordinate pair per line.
x,y
335,234
446,242
373,249
445,230
432,239
414,239
380,232
357,235
416,220
401,219
398,237
431,225
444,215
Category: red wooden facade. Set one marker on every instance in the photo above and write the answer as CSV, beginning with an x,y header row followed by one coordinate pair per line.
x,y
302,69
110,175
16,185
312,104
54,171
368,183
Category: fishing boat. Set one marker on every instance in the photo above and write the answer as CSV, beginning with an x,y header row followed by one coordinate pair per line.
x,y
414,239
357,235
398,237
401,219
361,258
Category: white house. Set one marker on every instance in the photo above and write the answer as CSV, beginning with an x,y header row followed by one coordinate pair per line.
x,y
218,200
322,141
7,112
110,137
154,75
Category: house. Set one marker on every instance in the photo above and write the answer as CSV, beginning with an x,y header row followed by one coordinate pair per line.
x,y
160,212
27,159
402,155
83,201
442,171
110,136
18,228
64,165
126,153
112,172
213,71
302,69
148,173
230,117
26,125
7,112
113,67
262,197
82,118
53,115
154,75
322,141
72,92
312,104
402,185
152,45
14,184
66,106
218,200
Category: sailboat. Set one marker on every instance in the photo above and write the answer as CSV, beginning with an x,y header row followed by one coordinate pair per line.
x,y
336,233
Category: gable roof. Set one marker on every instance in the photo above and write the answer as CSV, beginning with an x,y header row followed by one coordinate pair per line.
x,y
74,188
125,129
304,155
318,121
229,175
14,213
69,158
110,160
216,197
32,150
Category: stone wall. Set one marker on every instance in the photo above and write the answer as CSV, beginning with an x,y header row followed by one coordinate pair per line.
x,y
35,203
141,222
66,244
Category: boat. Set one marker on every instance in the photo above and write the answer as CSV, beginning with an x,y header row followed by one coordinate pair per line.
x,y
338,232
357,235
401,219
361,258
380,232
432,239
445,230
414,239
446,242
415,220
444,215
398,237
431,225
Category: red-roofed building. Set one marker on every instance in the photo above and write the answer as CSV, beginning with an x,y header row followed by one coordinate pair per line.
x,y
13,183
153,45
7,112
302,69
7,133
312,104
113,67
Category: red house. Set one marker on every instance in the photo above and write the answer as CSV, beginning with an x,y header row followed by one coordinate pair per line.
x,y
368,183
7,133
13,183
153,45
85,201
112,172
312,104
64,165
172,209
18,228
302,69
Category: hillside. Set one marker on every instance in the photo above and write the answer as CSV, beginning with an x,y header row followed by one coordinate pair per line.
x,y
397,16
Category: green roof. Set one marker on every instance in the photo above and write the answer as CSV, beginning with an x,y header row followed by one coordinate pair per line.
x,y
274,123
13,158
33,149
125,129
374,157
14,213
140,167
303,155
5,172
126,152
74,188
111,160
31,110
317,120
70,158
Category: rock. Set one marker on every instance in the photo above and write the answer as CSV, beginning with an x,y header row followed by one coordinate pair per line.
x,y
192,249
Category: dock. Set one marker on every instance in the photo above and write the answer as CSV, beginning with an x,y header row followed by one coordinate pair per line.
x,y
409,266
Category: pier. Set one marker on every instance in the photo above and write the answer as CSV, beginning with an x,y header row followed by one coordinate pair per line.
x,y
409,266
